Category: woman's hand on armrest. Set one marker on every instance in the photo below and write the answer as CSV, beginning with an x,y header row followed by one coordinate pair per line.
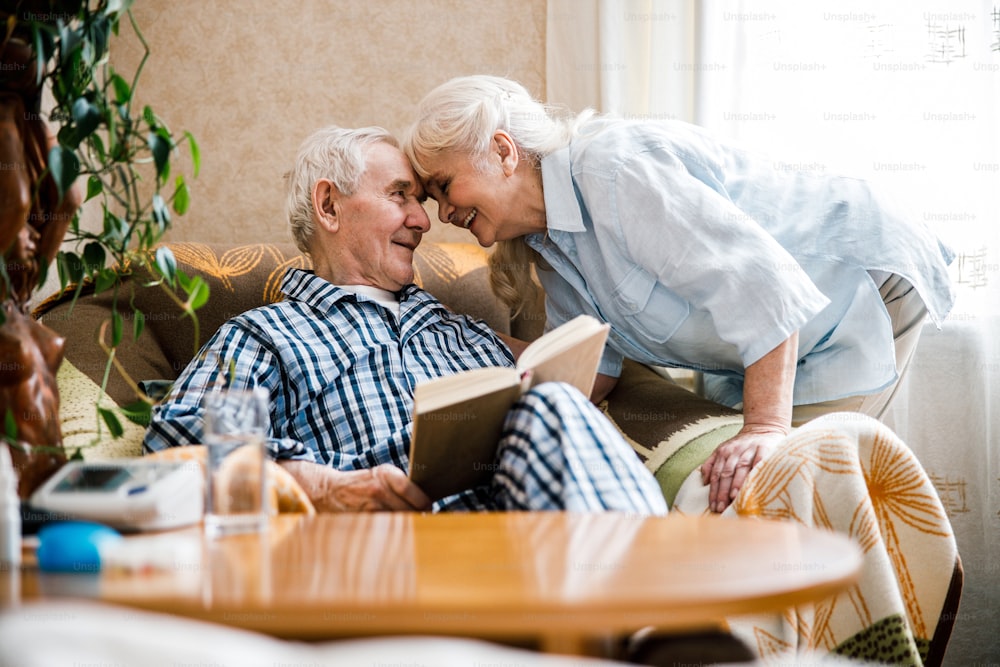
x,y
767,418
382,488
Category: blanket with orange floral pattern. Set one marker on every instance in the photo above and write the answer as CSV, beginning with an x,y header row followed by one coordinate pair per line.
x,y
850,473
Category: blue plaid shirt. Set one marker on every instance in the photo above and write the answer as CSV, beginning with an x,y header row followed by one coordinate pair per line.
x,y
339,368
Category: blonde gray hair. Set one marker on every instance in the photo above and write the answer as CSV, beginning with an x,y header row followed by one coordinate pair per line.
x,y
461,116
332,152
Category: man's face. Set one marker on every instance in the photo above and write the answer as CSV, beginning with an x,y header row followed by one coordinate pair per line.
x,y
382,223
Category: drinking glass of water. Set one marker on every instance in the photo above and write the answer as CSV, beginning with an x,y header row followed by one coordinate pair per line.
x,y
236,484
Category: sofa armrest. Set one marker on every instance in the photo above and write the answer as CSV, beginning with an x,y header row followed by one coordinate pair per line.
x,y
672,429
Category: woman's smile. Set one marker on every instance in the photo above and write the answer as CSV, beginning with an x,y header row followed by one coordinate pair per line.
x,y
469,218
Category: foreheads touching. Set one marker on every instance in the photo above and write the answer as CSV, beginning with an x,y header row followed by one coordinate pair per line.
x,y
460,119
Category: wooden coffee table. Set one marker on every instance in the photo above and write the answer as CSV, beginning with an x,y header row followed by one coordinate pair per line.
x,y
567,581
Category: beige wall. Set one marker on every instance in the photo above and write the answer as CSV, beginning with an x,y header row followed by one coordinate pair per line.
x,y
251,79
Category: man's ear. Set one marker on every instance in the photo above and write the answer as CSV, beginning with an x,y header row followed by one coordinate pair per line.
x,y
507,151
325,204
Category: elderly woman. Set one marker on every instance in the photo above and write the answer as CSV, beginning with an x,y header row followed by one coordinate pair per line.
x,y
795,293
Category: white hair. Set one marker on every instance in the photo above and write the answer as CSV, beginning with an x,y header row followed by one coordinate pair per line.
x,y
332,152
462,114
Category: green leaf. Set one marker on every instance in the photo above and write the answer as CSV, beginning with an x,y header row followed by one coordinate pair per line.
x,y
86,58
94,187
64,168
43,274
110,229
105,279
76,75
166,263
99,36
72,265
86,116
117,324
184,281
115,228
97,144
61,271
10,426
122,92
93,257
69,42
197,293
182,198
138,412
160,148
119,6
41,52
67,137
195,153
160,212
138,323
114,426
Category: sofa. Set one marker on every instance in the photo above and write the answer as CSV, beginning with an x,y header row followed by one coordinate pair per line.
x,y
241,277
672,429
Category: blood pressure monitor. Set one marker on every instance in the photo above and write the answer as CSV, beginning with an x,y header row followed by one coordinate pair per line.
x,y
126,494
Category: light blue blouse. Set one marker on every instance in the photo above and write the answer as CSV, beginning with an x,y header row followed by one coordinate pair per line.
x,y
706,257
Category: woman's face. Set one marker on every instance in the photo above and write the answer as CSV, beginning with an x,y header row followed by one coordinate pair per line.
x,y
496,201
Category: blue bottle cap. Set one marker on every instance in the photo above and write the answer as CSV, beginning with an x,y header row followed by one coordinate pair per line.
x,y
73,546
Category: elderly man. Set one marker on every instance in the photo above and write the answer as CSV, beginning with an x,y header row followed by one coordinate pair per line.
x,y
341,354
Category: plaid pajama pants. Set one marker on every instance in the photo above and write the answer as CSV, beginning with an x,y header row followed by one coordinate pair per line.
x,y
558,452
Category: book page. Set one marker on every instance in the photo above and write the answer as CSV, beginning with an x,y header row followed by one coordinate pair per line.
x,y
454,445
570,353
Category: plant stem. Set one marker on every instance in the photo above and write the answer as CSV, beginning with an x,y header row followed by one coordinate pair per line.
x,y
113,359
142,63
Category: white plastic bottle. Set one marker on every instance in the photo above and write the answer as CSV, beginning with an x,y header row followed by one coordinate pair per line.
x,y
10,514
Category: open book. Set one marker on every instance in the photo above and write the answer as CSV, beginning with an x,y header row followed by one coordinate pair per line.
x,y
458,418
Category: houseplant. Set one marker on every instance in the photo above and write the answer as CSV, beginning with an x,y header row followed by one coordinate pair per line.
x,y
91,149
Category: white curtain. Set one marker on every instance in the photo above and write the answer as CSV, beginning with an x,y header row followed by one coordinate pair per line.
x,y
905,94
609,55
